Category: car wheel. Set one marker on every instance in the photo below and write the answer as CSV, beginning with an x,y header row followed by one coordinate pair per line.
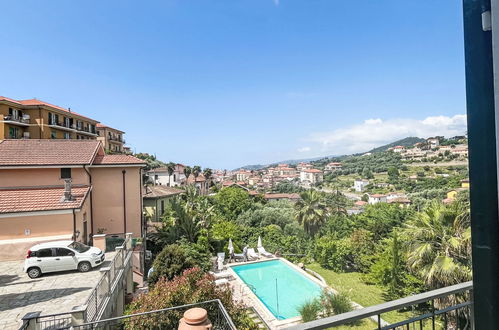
x,y
34,272
84,266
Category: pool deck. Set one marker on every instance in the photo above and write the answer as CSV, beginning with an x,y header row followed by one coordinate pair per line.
x,y
241,292
244,294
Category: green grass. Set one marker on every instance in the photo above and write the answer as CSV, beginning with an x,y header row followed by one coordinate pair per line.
x,y
358,291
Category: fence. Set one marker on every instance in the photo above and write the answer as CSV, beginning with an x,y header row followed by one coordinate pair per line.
x,y
446,308
167,319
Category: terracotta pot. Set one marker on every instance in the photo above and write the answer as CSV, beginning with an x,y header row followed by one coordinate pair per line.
x,y
195,319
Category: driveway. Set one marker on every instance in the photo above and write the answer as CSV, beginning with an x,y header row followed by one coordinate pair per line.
x,y
52,293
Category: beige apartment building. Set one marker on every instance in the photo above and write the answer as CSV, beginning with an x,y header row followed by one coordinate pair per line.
x,y
65,189
35,119
112,138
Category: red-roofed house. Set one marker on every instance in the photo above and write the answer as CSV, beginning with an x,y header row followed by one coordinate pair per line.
x,y
331,167
36,119
377,198
64,189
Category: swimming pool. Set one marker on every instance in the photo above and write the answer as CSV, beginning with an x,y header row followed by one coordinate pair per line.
x,y
280,287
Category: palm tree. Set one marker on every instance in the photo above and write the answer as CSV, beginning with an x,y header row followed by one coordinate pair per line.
x,y
170,167
187,172
311,211
438,244
207,172
196,170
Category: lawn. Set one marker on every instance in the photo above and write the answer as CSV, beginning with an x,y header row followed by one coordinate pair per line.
x,y
358,291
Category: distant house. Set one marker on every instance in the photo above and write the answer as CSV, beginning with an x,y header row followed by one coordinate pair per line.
x,y
433,142
331,167
360,203
303,166
155,199
310,177
398,149
200,182
276,197
402,201
243,175
161,176
377,198
359,185
465,183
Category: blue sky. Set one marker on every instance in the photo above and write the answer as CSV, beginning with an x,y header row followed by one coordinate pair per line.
x,y
228,83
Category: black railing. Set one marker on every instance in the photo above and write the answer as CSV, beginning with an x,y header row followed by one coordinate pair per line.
x,y
167,318
446,308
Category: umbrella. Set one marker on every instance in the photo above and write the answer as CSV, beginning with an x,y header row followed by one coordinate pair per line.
x,y
231,246
259,241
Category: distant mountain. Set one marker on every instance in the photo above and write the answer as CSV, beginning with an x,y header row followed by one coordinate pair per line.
x,y
406,142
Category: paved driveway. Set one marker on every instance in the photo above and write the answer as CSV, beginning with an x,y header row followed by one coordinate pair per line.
x,y
50,294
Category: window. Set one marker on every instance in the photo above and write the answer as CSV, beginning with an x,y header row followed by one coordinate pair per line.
x,y
79,247
67,135
44,253
62,252
13,133
53,134
162,207
65,173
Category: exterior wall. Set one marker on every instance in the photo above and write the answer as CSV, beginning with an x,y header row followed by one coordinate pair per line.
x,y
108,204
111,144
152,208
38,225
39,123
40,177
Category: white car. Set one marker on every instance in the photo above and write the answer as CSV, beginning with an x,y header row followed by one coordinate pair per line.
x,y
61,255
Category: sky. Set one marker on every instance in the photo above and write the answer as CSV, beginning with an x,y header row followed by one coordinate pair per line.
x,y
226,83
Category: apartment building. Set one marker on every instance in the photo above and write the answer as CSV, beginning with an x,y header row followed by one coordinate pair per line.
x,y
310,177
112,138
65,189
35,119
161,176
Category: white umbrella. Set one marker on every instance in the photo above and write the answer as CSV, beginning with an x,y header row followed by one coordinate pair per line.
x,y
259,241
231,246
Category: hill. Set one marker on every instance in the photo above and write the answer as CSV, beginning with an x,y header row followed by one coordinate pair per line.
x,y
406,142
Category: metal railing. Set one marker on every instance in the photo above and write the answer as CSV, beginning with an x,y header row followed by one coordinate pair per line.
x,y
18,119
99,297
167,318
446,308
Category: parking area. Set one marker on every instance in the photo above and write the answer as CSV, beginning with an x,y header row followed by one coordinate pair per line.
x,y
51,293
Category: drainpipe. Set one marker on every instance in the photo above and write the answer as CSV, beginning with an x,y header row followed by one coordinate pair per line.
x,y
74,225
124,202
91,204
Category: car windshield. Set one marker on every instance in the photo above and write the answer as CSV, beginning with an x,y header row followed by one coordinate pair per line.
x,y
79,247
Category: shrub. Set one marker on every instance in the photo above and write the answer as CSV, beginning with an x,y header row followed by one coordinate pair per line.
x,y
174,259
333,254
192,286
309,311
335,303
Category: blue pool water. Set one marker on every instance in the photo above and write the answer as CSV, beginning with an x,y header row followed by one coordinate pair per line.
x,y
280,287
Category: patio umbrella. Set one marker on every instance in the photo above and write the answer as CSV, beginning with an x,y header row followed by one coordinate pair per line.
x,y
259,241
231,246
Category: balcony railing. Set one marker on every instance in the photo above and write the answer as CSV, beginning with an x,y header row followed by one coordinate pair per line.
x,y
167,318
446,308
22,120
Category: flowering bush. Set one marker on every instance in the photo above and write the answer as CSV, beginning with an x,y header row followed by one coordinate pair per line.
x,y
192,286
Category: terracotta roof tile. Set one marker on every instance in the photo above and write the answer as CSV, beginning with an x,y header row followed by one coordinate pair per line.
x,y
43,199
160,191
35,102
117,160
47,152
100,125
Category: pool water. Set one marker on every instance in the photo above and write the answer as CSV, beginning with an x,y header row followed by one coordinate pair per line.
x,y
280,287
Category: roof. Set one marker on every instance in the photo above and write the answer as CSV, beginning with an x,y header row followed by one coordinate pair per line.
x,y
99,125
40,199
31,152
312,170
199,178
401,200
289,196
360,203
35,102
117,160
377,195
160,191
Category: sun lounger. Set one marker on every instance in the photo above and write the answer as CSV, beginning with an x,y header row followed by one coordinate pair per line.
x,y
221,281
252,254
262,251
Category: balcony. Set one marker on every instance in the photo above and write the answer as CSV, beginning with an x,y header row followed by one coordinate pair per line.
x,y
86,131
116,139
454,311
62,126
18,121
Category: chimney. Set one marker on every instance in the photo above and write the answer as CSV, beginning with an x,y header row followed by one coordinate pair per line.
x,y
67,191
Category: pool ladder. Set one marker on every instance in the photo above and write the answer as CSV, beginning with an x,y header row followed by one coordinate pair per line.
x,y
252,288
